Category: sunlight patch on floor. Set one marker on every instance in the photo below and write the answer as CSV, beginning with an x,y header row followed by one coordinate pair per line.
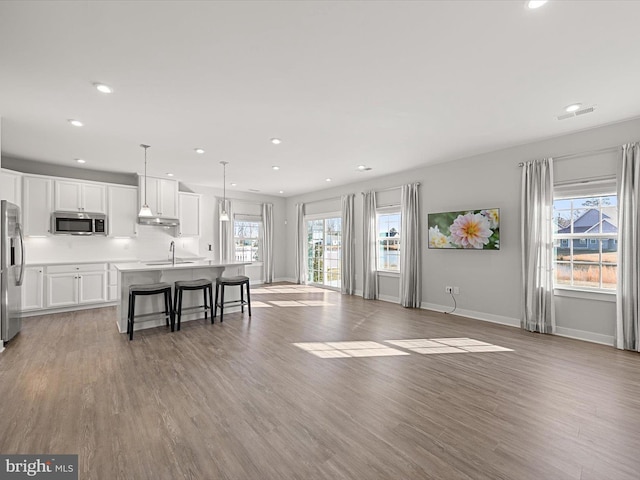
x,y
349,349
423,346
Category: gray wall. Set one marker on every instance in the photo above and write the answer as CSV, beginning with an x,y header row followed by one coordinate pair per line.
x,y
489,281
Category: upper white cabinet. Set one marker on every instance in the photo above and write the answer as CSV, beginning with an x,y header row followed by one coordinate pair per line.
x,y
189,206
161,195
123,211
37,194
70,196
11,186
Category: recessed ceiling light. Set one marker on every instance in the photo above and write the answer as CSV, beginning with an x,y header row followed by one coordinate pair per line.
x,y
234,184
101,87
275,167
327,180
276,141
199,150
573,107
533,4
169,174
79,160
361,167
75,123
281,191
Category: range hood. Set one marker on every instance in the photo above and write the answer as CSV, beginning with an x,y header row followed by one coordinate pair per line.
x,y
159,221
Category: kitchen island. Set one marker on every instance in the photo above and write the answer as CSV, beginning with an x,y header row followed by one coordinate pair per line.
x,y
136,273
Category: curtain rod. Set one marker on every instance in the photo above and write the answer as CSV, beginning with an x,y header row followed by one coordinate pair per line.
x,y
581,154
324,199
388,189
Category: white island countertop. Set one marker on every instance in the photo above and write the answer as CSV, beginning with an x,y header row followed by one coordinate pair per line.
x,y
179,265
147,272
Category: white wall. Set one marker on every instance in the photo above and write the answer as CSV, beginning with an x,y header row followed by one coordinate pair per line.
x,y
489,281
247,203
152,243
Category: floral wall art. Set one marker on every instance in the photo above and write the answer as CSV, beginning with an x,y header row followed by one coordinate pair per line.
x,y
468,229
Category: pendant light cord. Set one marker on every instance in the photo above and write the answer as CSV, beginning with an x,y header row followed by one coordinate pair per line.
x,y
145,172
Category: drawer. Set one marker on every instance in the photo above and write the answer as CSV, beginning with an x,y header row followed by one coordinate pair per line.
x,y
72,268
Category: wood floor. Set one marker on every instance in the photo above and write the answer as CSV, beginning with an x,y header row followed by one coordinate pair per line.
x,y
239,401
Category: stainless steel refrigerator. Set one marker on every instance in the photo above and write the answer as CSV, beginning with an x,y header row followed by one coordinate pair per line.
x,y
12,270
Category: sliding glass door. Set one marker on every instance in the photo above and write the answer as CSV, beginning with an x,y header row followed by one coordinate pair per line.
x,y
324,250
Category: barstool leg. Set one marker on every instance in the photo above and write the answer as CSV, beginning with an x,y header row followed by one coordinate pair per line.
x,y
215,304
172,313
133,314
167,315
241,299
179,308
248,298
204,294
222,304
210,289
129,315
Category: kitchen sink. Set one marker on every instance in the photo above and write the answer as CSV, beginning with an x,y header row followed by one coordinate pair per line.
x,y
165,262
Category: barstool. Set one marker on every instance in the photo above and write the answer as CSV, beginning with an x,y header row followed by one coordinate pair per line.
x,y
231,281
202,284
149,289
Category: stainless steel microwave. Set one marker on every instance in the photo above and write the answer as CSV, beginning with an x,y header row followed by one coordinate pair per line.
x,y
78,223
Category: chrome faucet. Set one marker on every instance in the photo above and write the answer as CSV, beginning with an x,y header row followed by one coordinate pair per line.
x,y
172,249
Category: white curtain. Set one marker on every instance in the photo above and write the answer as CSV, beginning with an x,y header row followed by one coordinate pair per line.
x,y
267,242
227,245
300,244
348,246
369,240
627,324
537,246
410,264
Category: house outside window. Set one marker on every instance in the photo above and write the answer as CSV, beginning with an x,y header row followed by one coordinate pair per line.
x,y
586,241
388,225
247,235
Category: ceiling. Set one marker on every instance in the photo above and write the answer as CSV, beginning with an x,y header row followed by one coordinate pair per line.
x,y
389,85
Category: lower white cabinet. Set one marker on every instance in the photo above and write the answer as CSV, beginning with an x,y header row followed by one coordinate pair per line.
x,y
68,285
32,289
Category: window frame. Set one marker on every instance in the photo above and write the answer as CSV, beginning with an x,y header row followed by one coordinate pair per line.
x,y
387,210
584,239
259,238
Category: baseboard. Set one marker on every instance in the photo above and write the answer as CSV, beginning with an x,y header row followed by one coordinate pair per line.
x,y
285,279
585,336
388,298
485,317
72,308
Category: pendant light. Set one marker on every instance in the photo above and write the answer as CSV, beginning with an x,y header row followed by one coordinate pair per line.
x,y
224,216
145,211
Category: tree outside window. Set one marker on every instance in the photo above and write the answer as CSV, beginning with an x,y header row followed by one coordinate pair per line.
x,y
247,240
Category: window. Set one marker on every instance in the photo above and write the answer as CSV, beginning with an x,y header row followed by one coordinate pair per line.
x,y
246,235
389,239
324,251
586,241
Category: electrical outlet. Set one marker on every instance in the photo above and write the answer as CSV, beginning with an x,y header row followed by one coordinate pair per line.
x,y
448,289
456,290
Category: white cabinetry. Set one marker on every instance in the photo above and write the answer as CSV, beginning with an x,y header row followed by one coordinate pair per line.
x,y
162,195
32,289
70,196
189,205
37,202
68,285
123,211
11,186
